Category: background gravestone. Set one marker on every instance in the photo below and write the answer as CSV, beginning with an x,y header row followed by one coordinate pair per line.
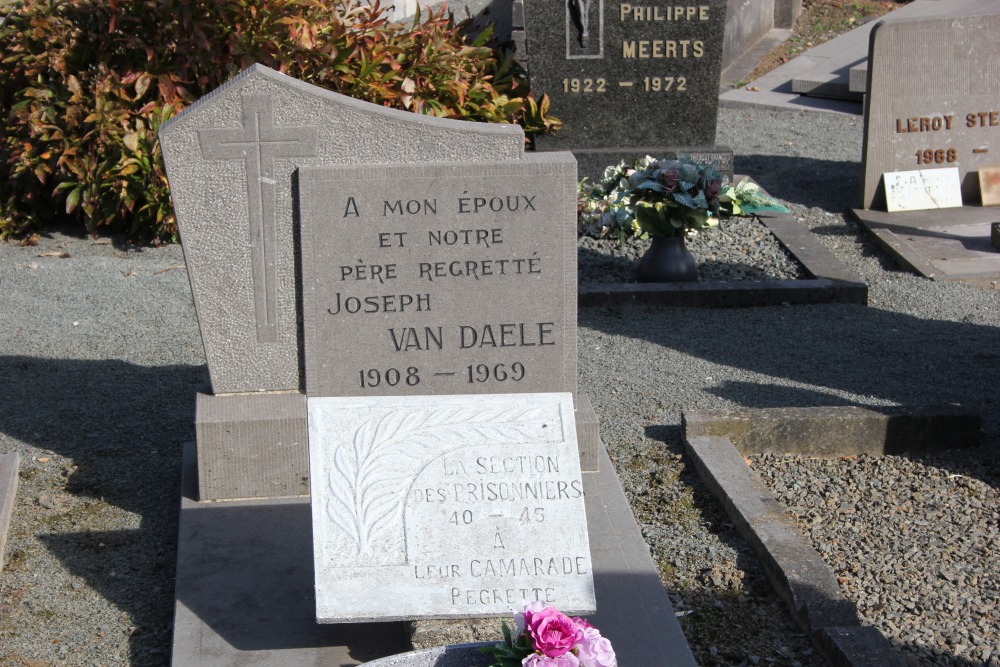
x,y
627,77
230,160
932,100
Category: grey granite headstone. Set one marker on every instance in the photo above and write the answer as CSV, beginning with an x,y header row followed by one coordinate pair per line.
x,y
621,75
440,278
230,159
446,506
932,102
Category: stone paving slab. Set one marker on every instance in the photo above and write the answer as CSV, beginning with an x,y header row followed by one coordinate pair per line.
x,y
244,592
827,69
9,464
944,244
830,280
716,441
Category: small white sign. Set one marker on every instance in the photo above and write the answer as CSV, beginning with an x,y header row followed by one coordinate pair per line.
x,y
922,189
444,506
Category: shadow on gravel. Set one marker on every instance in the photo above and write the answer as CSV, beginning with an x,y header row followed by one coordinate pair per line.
x,y
124,426
823,355
824,184
744,613
726,612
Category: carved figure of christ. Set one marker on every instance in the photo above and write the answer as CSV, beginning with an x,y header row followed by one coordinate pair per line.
x,y
258,144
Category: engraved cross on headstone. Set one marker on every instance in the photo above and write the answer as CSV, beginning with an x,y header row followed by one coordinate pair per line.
x,y
258,143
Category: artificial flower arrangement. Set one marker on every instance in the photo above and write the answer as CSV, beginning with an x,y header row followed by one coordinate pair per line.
x,y
548,638
664,198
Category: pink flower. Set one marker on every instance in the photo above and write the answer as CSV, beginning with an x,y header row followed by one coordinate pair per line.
x,y
712,189
594,650
539,660
670,179
552,632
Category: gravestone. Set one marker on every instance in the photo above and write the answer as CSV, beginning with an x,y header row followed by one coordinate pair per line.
x,y
932,100
230,159
245,587
452,284
628,78
932,106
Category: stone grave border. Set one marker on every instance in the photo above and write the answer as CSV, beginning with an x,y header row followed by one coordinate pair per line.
x,y
718,440
830,280
894,231
9,464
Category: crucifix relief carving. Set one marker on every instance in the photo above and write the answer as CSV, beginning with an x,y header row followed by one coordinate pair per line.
x,y
259,143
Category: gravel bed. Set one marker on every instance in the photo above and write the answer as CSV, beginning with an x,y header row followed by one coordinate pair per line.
x,y
738,249
913,542
100,358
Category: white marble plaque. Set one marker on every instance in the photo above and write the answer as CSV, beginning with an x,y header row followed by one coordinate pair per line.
x,y
922,189
446,506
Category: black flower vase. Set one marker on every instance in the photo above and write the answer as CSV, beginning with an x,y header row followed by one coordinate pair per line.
x,y
667,261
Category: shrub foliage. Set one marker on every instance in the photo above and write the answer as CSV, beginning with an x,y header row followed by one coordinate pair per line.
x,y
86,84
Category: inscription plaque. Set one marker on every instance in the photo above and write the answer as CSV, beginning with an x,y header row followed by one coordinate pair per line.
x,y
627,75
440,278
442,506
989,186
922,189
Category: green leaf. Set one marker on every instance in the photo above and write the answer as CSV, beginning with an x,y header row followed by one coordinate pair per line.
x,y
73,199
131,141
651,222
142,84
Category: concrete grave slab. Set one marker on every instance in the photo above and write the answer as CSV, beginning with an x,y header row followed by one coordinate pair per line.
x,y
230,159
944,244
245,587
440,278
445,506
244,591
9,464
932,100
627,75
